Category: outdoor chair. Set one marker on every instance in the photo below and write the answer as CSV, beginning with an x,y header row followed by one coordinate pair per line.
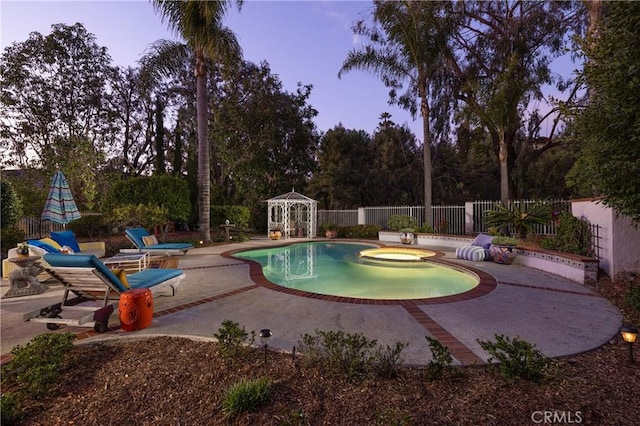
x,y
143,241
89,279
76,271
57,242
477,251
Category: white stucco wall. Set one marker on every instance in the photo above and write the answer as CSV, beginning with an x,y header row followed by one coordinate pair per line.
x,y
619,239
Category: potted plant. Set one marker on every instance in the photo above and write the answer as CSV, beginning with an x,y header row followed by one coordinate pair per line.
x,y
22,249
407,236
518,218
330,230
275,233
405,225
503,249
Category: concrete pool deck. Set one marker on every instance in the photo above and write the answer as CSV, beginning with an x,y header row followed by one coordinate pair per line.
x,y
559,316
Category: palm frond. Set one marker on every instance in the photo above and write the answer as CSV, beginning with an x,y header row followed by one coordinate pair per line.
x,y
163,58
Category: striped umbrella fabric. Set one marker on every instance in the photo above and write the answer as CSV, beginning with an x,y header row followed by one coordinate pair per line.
x,y
60,207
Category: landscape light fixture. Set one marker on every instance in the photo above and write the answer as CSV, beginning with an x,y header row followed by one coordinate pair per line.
x,y
629,334
265,335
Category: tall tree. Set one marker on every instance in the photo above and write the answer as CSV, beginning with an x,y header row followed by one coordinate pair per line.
x,y
503,52
610,124
406,45
266,139
200,24
345,160
397,165
51,110
159,136
131,105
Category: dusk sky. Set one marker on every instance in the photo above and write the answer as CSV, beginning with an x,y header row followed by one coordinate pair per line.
x,y
303,41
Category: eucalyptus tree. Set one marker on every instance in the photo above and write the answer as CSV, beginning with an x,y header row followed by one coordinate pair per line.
x,y
502,59
407,45
199,23
131,105
265,137
397,165
52,114
343,179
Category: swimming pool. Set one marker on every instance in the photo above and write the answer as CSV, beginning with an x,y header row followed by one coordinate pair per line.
x,y
335,269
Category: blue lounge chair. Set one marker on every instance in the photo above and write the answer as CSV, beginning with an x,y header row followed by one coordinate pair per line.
x,y
88,278
137,236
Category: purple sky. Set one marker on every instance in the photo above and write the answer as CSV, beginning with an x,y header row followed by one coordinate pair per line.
x,y
303,41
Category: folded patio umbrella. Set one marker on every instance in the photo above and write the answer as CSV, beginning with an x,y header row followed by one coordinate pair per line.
x,y
60,206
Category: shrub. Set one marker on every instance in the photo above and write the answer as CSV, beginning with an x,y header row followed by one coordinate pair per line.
x,y
246,395
386,360
359,231
441,362
90,226
233,339
426,229
517,358
36,365
10,205
339,352
9,409
350,354
504,240
238,215
322,229
161,191
138,215
573,236
632,297
400,221
10,237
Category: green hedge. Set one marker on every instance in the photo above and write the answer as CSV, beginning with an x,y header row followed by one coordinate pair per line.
x,y
238,215
359,231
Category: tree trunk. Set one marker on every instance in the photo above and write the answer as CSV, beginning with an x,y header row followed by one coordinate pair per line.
x,y
504,171
426,134
204,166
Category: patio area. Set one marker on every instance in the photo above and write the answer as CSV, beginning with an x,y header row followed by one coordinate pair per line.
x,y
557,315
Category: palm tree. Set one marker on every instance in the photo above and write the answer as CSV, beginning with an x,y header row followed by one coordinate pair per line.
x,y
200,24
407,43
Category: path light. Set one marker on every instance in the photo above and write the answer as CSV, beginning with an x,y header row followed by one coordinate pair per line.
x,y
265,335
629,335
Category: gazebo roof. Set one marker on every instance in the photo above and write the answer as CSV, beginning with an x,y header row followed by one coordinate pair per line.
x,y
292,196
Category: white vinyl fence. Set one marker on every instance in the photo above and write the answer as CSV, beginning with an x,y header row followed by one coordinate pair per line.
x,y
453,220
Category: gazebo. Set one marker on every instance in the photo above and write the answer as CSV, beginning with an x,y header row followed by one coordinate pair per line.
x,y
293,214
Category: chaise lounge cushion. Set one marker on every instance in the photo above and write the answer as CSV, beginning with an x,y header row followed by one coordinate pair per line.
x,y
66,238
144,279
46,244
137,236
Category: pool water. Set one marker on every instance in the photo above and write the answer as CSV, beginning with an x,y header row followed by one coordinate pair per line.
x,y
331,268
